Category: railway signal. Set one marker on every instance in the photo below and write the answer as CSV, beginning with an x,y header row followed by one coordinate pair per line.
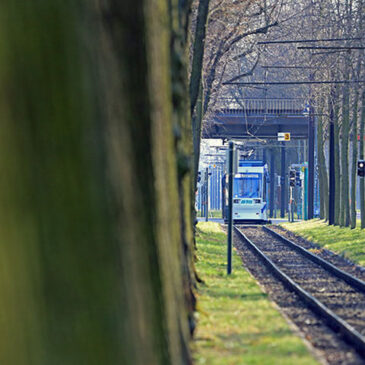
x,y
361,168
298,180
292,178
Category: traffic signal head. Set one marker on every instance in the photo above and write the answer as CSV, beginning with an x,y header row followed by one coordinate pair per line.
x,y
361,168
292,175
298,181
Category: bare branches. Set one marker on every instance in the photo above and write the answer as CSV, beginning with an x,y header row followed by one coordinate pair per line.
x,y
262,30
232,33
248,73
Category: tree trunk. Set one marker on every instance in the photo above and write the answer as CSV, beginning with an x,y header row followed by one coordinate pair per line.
x,y
196,84
354,146
337,161
354,166
92,259
323,179
198,53
184,152
197,125
345,204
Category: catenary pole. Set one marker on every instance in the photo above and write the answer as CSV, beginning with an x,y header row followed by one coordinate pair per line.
x,y
283,181
230,207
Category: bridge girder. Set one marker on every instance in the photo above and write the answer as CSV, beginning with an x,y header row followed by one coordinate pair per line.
x,y
239,125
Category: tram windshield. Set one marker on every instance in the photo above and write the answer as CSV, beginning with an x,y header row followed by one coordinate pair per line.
x,y
247,186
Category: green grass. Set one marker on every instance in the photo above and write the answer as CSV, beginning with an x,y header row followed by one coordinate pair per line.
x,y
347,242
237,324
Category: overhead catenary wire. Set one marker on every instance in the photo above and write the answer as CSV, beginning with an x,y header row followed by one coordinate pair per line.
x,y
289,41
293,82
331,47
289,67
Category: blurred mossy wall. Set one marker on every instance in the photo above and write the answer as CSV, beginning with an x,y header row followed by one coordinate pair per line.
x,y
94,210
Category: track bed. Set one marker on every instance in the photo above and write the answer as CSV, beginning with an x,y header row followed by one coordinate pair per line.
x,y
341,298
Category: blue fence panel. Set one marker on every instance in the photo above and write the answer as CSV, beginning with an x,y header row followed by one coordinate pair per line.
x,y
215,188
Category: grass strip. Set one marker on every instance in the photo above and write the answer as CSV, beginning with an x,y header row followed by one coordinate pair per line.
x,y
347,242
211,214
237,323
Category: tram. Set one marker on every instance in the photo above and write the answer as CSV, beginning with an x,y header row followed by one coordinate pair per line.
x,y
249,193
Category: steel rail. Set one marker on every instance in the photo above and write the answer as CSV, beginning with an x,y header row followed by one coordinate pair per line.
x,y
351,280
353,337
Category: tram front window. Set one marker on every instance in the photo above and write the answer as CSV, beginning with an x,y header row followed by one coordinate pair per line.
x,y
248,186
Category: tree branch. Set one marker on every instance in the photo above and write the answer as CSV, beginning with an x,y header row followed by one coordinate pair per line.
x,y
262,30
248,73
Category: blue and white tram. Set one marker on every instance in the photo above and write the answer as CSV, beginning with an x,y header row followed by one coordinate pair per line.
x,y
249,193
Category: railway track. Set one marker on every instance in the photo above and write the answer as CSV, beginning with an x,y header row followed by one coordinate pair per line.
x,y
335,296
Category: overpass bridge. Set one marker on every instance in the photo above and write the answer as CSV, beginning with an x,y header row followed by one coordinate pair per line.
x,y
262,118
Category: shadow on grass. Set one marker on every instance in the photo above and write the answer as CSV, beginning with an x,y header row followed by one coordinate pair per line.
x,y
249,337
212,242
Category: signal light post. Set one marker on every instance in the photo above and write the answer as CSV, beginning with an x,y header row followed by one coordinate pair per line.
x,y
292,180
311,124
283,137
361,173
283,181
230,207
206,194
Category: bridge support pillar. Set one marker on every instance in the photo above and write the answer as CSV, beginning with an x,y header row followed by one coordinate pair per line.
x,y
311,163
272,183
